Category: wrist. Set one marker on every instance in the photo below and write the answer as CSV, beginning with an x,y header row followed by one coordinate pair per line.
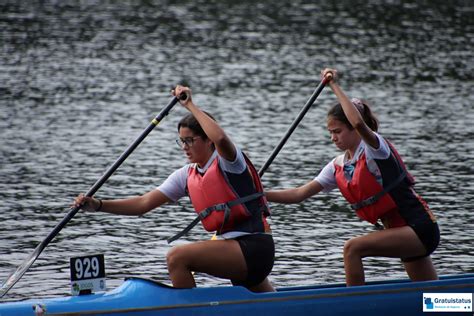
x,y
98,208
189,105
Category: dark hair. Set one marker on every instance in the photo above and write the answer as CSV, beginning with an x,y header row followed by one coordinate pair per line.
x,y
190,122
369,118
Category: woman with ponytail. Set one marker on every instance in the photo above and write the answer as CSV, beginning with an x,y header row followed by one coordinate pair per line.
x,y
373,179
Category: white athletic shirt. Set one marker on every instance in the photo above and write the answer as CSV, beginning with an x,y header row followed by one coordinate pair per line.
x,y
174,187
327,177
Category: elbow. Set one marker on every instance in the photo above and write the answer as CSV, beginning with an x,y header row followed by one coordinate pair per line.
x,y
143,207
298,199
304,192
221,140
141,212
359,125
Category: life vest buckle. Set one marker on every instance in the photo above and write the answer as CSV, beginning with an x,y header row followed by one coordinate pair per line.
x,y
369,201
220,207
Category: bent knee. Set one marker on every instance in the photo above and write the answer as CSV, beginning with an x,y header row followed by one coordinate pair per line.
x,y
354,247
175,257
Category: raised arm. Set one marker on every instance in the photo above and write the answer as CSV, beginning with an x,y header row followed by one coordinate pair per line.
x,y
352,113
214,132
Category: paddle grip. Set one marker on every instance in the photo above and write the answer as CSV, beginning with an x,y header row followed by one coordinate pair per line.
x,y
328,77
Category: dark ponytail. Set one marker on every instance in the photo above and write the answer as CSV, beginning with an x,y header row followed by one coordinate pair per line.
x,y
369,117
337,113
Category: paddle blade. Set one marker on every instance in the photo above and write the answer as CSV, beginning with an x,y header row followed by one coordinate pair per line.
x,y
18,273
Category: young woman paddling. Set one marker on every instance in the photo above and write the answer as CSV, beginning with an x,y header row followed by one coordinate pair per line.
x,y
218,172
373,179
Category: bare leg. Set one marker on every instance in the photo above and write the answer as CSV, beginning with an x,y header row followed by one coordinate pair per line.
x,y
220,258
394,242
421,269
353,265
264,286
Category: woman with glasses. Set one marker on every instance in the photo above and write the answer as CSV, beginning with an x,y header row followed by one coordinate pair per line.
x,y
373,179
225,191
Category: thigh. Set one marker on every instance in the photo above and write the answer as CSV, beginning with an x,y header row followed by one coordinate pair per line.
x,y
397,242
421,269
220,258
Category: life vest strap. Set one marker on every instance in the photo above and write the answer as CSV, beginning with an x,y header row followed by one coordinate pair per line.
x,y
374,198
222,207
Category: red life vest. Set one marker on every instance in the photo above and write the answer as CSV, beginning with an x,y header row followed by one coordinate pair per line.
x,y
212,189
363,187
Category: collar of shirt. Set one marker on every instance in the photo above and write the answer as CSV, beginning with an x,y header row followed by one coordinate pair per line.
x,y
208,163
360,149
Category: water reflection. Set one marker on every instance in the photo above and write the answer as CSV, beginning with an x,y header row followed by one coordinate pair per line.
x,y
79,80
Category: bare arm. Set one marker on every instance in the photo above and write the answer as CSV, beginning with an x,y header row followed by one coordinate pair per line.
x,y
294,195
351,112
137,205
216,134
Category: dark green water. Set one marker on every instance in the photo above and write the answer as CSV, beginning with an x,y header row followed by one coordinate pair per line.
x,y
79,80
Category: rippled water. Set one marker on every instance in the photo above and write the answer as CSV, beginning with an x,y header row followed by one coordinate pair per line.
x,y
79,80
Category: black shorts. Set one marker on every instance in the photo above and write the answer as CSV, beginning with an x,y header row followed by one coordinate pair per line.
x,y
259,254
428,232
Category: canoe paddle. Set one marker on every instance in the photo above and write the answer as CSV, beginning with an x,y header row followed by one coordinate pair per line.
x,y
293,126
295,123
20,271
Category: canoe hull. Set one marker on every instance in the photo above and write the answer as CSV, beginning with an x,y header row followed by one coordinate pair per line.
x,y
145,297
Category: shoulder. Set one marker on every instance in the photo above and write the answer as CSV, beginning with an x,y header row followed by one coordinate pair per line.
x,y
237,166
326,177
383,152
182,172
174,187
339,161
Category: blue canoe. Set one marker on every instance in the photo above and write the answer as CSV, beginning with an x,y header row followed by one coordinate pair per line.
x,y
138,296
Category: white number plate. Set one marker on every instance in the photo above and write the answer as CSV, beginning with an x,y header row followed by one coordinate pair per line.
x,y
87,274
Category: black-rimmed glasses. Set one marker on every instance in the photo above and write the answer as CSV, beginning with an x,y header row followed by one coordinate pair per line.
x,y
189,141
